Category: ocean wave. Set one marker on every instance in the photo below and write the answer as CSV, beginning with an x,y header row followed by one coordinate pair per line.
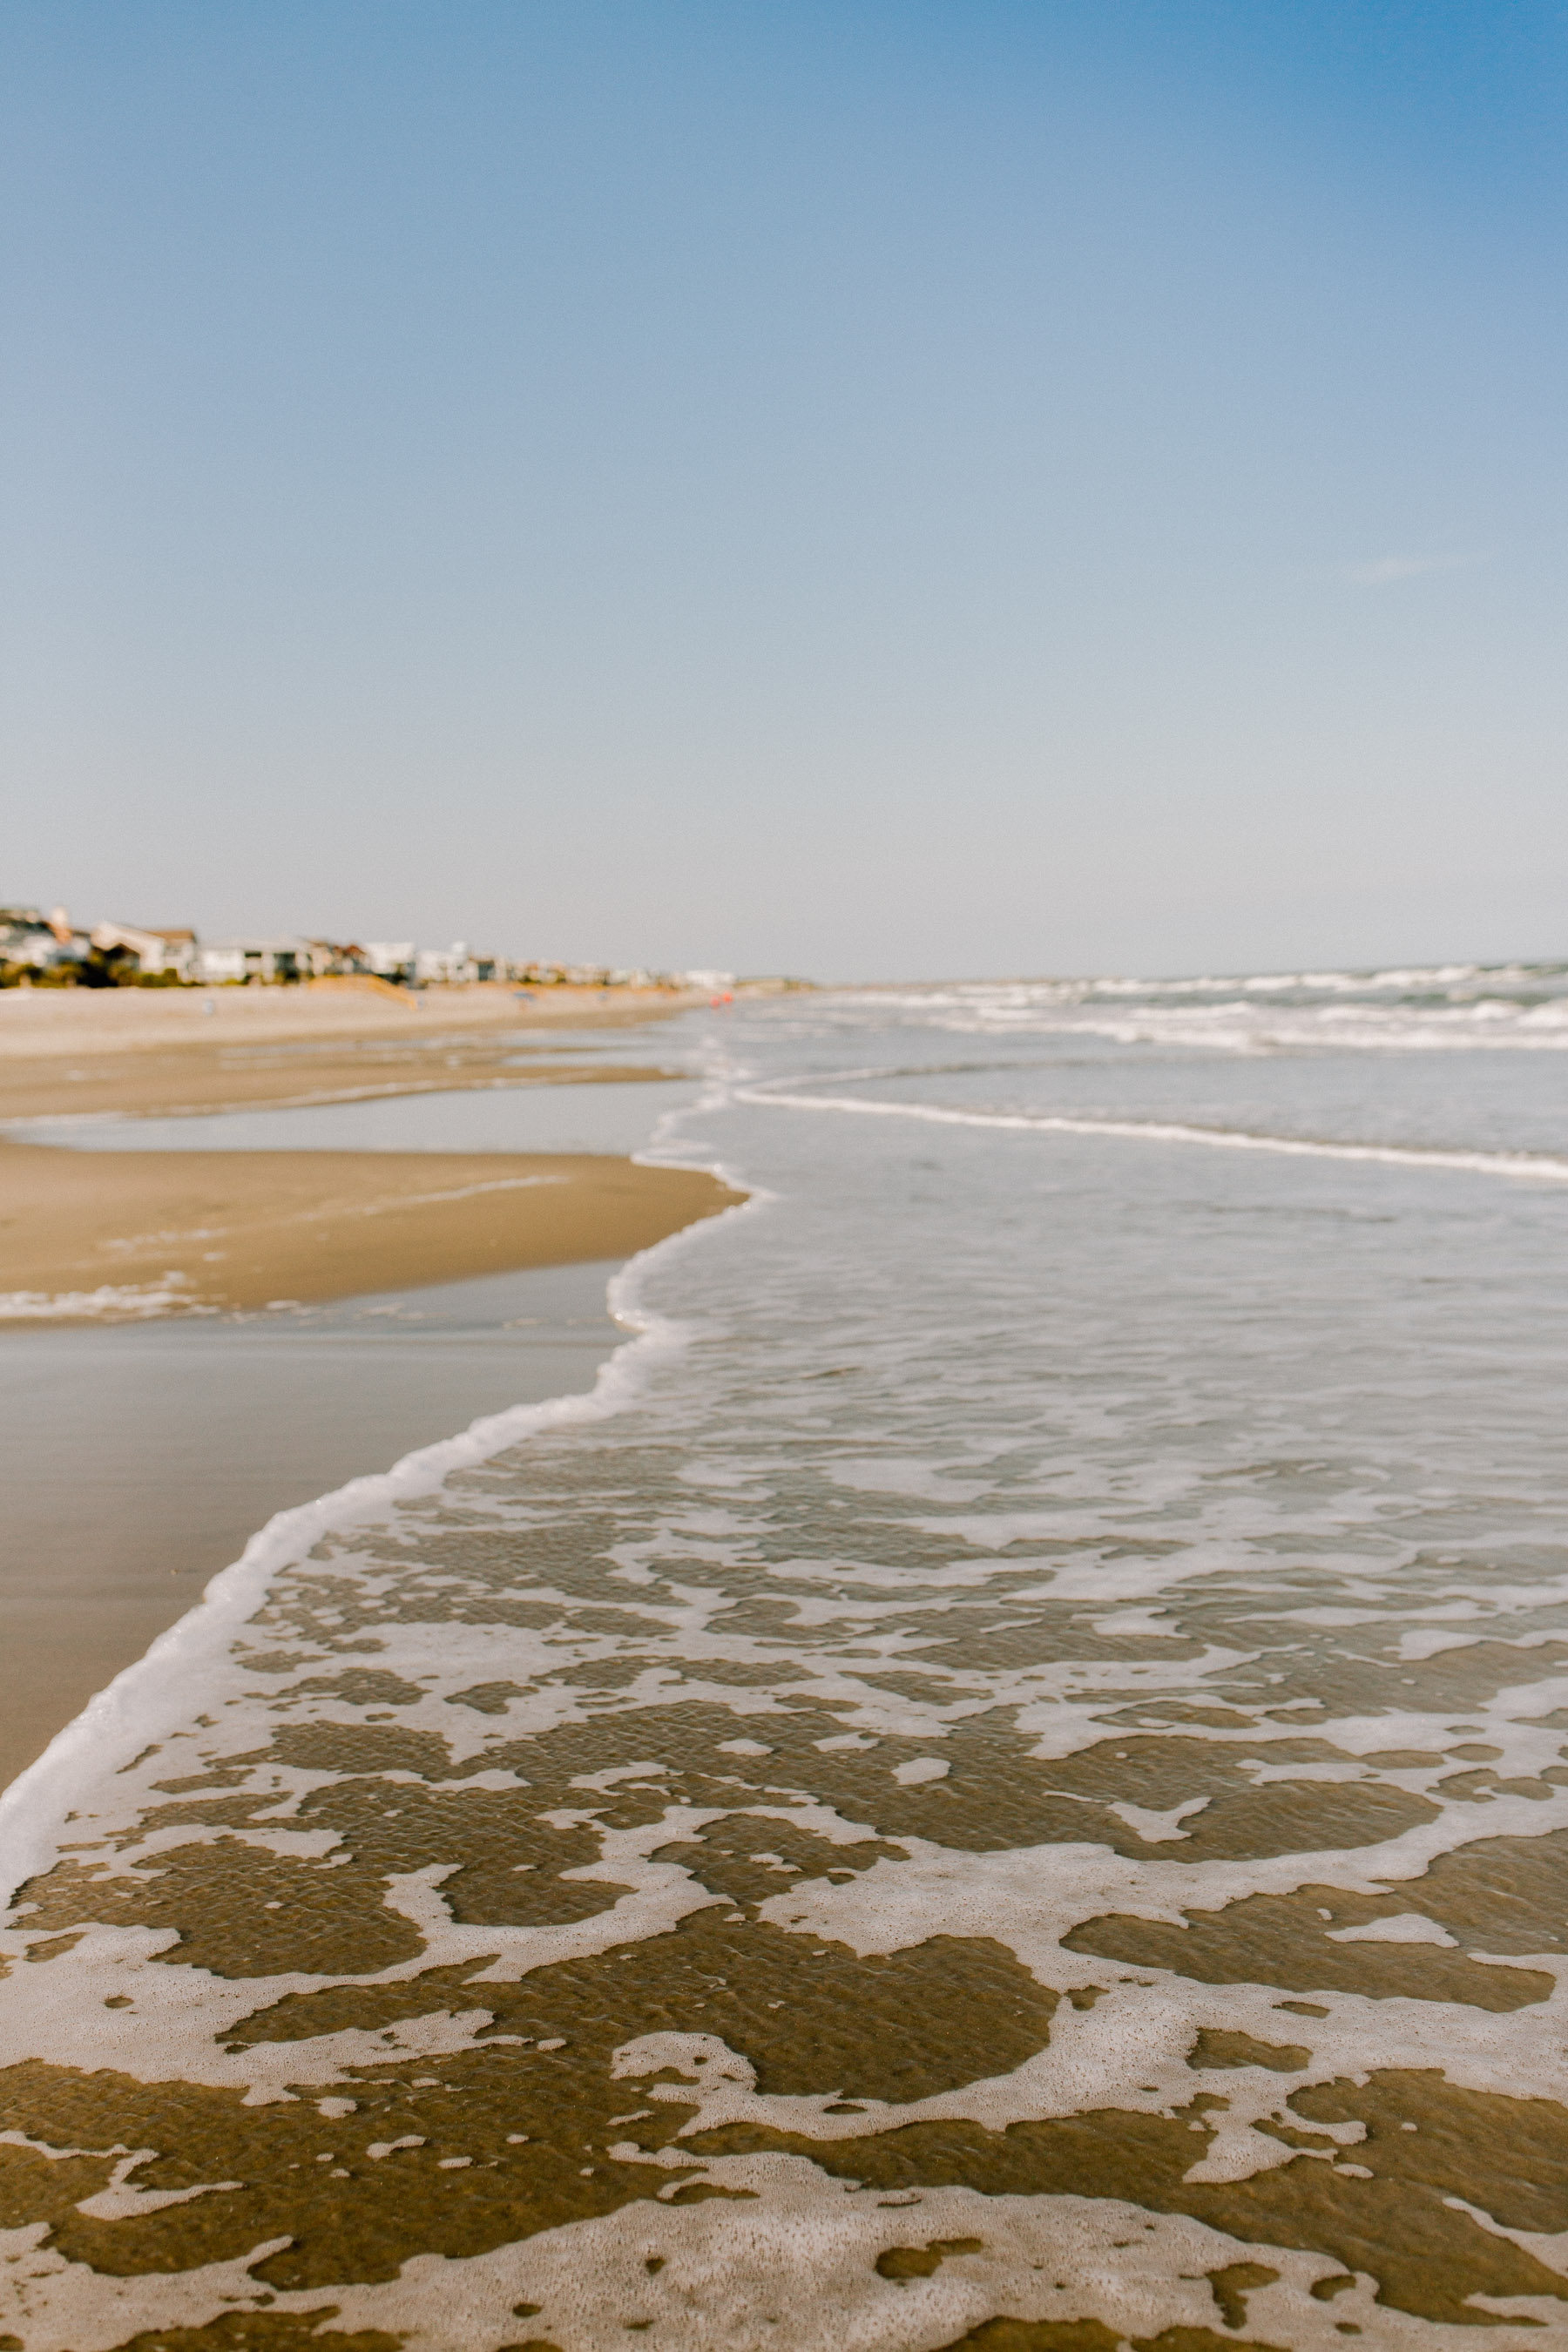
x,y
1540,1166
1532,981
1445,1008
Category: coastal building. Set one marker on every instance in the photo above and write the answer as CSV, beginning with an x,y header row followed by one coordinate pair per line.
x,y
389,959
154,952
338,959
286,958
454,966
39,942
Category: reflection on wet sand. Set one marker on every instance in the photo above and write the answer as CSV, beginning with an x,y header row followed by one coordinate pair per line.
x,y
1005,1786
528,1865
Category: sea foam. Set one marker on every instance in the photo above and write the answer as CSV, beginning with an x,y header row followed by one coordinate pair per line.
x,y
1006,1765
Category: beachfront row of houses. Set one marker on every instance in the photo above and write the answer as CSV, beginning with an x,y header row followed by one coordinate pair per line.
x,y
49,949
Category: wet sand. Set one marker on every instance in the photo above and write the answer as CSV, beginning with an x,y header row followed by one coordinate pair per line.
x,y
1012,1797
142,1457
140,1460
145,1052
55,1020
132,1233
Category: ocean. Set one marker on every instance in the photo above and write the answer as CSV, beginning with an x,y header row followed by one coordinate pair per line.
x,y
999,1781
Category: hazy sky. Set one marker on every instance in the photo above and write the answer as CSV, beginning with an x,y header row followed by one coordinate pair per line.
x,y
854,490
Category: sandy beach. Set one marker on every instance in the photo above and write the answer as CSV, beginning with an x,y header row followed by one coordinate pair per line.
x,y
158,1414
116,1235
1003,1784
134,1234
143,1052
43,1020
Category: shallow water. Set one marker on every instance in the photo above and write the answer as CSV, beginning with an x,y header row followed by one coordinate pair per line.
x,y
1003,1783
533,1118
139,1457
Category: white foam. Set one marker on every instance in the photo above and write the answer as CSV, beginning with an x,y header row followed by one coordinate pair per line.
x,y
1447,1008
1273,1506
781,2247
111,1302
1540,1166
147,1699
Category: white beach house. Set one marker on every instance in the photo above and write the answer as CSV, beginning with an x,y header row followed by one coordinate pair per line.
x,y
154,952
389,959
284,957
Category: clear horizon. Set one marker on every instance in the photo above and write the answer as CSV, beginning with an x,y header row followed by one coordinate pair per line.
x,y
938,490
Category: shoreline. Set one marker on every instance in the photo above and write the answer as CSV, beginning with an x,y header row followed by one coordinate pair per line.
x,y
50,1020
147,1457
193,1339
69,1054
116,1236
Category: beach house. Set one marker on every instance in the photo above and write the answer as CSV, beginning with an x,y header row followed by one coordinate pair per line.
x,y
389,959
456,966
153,953
285,957
338,959
31,941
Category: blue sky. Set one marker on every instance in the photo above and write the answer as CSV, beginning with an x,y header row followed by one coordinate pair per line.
x,y
854,490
